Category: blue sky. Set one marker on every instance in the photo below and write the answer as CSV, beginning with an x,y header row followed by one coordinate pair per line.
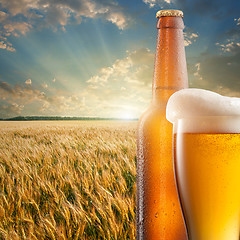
x,y
96,57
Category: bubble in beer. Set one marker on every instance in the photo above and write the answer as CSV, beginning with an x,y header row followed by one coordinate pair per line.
x,y
192,103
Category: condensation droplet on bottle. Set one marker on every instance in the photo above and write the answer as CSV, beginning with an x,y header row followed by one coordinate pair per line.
x,y
156,215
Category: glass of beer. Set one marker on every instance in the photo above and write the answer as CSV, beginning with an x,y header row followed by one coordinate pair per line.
x,y
207,162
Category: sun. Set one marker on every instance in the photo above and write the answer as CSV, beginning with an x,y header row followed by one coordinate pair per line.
x,y
126,115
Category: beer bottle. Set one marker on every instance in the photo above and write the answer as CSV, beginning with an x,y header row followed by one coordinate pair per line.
x,y
159,214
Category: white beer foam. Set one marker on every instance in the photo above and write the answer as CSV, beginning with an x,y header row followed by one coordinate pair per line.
x,y
200,110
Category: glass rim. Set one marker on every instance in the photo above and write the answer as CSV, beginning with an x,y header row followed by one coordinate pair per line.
x,y
209,116
208,124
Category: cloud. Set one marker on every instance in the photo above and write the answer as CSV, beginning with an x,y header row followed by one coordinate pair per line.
x,y
197,73
16,7
153,3
44,85
28,82
17,17
118,18
237,20
6,87
18,92
8,28
20,99
216,9
16,28
11,27
231,43
3,16
4,44
10,110
218,69
219,73
121,84
230,39
120,89
60,12
7,46
190,38
127,69
229,47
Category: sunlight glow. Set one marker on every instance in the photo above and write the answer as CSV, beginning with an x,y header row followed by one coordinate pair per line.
x,y
126,114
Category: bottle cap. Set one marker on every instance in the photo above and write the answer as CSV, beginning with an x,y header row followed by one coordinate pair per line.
x,y
169,13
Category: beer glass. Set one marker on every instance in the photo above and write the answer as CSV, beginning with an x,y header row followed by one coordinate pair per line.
x,y
207,172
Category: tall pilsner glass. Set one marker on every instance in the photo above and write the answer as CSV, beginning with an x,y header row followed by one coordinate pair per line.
x,y
207,171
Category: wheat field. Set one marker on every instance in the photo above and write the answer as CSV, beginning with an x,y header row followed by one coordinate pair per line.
x,y
67,180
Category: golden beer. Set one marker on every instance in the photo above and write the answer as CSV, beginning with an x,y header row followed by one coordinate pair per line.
x,y
207,171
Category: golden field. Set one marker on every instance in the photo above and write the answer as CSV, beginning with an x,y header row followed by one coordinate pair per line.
x,y
67,180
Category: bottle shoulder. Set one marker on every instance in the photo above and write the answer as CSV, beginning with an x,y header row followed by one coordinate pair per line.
x,y
154,129
153,112
153,118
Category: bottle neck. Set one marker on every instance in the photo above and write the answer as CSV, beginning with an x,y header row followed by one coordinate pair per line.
x,y
170,70
161,95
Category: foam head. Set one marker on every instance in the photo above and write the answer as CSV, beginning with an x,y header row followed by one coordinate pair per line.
x,y
189,104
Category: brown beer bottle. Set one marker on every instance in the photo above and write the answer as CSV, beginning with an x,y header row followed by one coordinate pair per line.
x,y
159,215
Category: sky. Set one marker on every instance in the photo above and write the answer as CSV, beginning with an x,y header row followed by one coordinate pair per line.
x,y
96,57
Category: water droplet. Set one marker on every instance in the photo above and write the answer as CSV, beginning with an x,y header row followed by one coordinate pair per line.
x,y
156,215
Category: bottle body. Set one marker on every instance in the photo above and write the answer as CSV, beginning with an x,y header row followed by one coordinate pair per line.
x,y
159,215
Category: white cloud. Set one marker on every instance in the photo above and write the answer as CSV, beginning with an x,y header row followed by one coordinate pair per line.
x,y
19,6
237,20
56,14
56,103
4,44
197,73
28,81
3,16
120,89
16,28
118,85
230,46
219,72
44,85
7,46
118,18
190,38
127,69
153,3
60,12
225,91
10,110
8,28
